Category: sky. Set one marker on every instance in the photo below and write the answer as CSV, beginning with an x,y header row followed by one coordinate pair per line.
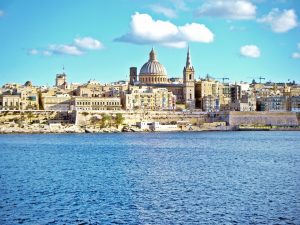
x,y
95,39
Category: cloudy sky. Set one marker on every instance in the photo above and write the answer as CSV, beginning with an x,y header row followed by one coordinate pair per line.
x,y
93,39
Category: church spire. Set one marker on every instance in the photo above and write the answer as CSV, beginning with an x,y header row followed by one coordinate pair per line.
x,y
188,59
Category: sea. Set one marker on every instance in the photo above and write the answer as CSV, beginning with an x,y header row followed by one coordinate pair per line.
x,y
150,178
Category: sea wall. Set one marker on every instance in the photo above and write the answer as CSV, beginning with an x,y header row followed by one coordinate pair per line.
x,y
131,117
93,118
263,118
37,116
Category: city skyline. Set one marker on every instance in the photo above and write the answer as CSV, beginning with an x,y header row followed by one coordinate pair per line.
x,y
239,39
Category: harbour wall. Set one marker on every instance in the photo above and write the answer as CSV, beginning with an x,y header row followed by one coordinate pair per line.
x,y
232,118
263,118
37,116
132,117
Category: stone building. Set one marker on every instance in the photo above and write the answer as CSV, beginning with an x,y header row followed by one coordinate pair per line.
x,y
294,104
209,94
149,98
91,89
58,101
210,103
21,97
10,101
29,97
61,81
242,98
153,74
90,103
272,103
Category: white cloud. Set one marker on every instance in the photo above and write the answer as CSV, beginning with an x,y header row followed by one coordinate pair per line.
x,y
280,21
77,48
145,30
47,53
33,52
234,28
196,33
251,51
179,44
39,52
230,9
88,43
65,50
179,4
164,10
1,13
296,55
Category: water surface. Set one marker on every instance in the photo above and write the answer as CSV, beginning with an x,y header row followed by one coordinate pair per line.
x,y
151,178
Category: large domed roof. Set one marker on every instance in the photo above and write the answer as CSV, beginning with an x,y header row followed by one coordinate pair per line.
x,y
153,67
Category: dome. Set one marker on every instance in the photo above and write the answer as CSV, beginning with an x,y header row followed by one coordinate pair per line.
x,y
28,84
153,71
153,67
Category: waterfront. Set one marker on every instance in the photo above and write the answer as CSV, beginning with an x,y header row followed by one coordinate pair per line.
x,y
151,178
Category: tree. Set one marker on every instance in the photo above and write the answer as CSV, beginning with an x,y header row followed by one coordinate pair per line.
x,y
95,121
30,116
119,119
105,120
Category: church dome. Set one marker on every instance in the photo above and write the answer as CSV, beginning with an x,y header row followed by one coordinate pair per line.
x,y
153,68
28,84
153,71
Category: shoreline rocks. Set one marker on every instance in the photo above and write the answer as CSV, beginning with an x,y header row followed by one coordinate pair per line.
x,y
75,129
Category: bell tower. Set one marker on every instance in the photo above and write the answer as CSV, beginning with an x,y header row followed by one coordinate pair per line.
x,y
189,82
133,75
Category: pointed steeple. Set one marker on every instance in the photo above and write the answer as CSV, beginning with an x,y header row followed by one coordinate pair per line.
x,y
188,59
152,55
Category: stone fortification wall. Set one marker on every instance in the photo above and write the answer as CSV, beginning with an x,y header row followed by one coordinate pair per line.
x,y
36,116
131,117
263,118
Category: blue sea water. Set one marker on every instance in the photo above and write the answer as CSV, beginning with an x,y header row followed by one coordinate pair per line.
x,y
151,178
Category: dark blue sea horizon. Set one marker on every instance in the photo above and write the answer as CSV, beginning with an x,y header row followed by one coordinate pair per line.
x,y
151,178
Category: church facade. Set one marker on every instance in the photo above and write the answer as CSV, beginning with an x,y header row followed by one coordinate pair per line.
x,y
154,74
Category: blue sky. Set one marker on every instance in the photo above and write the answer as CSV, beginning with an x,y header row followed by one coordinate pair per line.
x,y
100,40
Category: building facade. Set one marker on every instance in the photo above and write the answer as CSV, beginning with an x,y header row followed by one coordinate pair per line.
x,y
90,103
150,98
153,74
